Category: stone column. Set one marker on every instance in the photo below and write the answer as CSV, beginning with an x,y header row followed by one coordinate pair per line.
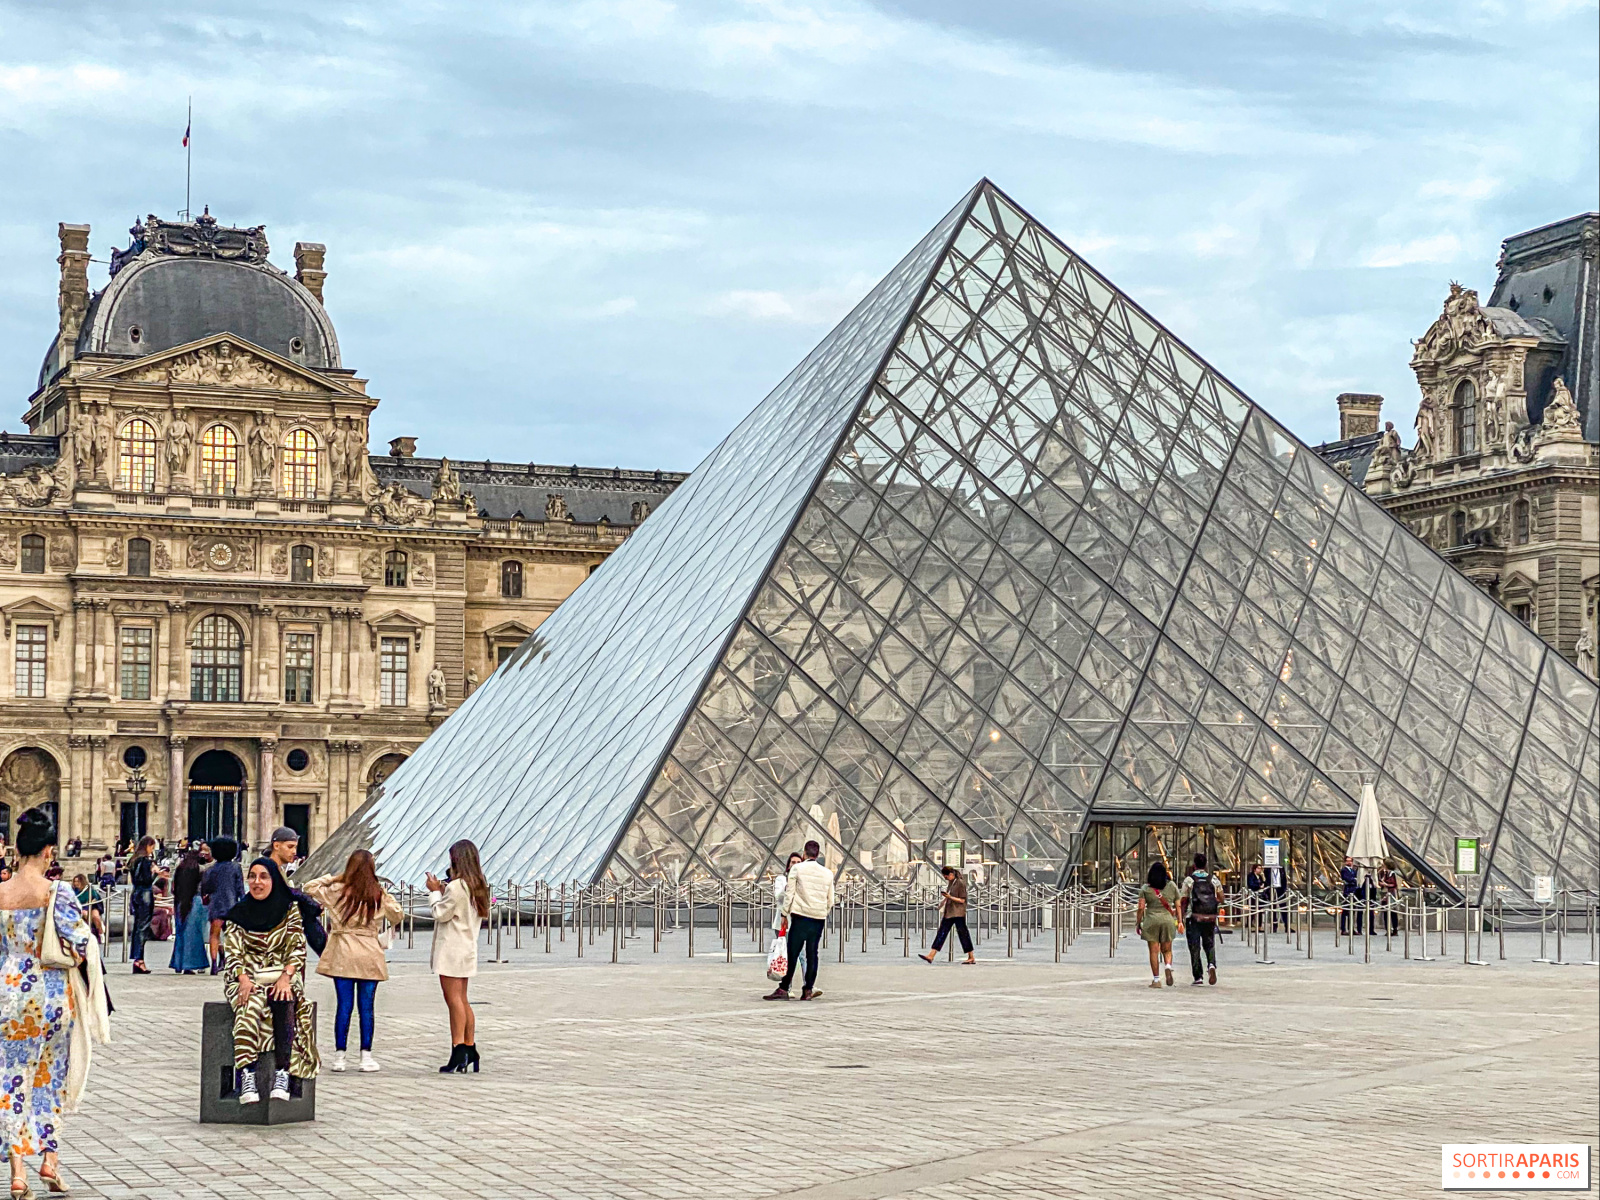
x,y
82,669
102,650
352,780
337,650
352,635
82,804
96,781
177,644
266,814
177,789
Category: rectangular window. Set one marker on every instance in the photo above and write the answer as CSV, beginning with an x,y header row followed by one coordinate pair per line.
x,y
394,670
1523,613
136,646
32,647
299,662
301,564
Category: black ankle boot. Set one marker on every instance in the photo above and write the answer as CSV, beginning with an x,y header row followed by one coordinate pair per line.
x,y
472,1059
458,1060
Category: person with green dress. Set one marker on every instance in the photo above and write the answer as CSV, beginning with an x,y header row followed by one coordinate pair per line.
x,y
1158,920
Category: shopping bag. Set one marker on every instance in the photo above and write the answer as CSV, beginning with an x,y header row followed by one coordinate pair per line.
x,y
778,960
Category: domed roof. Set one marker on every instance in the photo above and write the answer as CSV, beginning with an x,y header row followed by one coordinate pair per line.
x,y
179,282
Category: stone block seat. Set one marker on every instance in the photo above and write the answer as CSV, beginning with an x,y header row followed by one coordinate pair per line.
x,y
219,1093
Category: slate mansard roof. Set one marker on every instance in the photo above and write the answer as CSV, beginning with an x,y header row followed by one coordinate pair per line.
x,y
506,490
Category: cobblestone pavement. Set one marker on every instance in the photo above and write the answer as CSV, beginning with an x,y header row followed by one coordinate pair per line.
x,y
665,1077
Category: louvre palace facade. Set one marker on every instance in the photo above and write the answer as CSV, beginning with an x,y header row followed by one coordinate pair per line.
x,y
222,612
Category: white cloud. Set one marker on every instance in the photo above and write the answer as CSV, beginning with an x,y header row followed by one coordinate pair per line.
x,y
1434,248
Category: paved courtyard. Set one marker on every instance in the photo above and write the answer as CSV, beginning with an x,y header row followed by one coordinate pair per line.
x,y
664,1077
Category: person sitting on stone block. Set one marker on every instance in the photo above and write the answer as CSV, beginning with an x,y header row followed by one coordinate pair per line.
x,y
264,946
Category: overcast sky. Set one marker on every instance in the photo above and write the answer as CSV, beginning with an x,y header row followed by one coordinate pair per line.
x,y
599,232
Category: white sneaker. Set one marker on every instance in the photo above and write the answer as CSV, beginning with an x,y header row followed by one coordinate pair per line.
x,y
280,1086
368,1063
338,1061
247,1088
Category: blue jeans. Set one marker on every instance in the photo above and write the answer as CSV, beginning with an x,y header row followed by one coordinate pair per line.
x,y
353,993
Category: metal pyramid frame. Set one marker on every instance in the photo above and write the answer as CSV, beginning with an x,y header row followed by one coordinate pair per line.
x,y
1000,557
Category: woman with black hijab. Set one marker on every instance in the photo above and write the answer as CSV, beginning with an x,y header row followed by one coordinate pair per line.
x,y
264,947
190,922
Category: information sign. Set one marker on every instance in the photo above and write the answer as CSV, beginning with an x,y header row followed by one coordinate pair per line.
x,y
1466,856
955,855
1272,852
1544,889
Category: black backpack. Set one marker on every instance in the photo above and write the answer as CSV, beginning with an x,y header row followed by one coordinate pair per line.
x,y
1203,904
311,920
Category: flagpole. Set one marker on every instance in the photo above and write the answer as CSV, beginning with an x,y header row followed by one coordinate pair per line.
x,y
188,155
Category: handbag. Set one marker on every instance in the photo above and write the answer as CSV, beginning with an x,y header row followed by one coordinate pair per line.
x,y
54,954
778,961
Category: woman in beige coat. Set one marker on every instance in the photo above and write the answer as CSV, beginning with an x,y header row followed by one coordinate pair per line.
x,y
355,906
459,904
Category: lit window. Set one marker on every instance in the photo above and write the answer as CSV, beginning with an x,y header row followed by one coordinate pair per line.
x,y
394,670
216,661
219,461
136,457
1466,406
31,658
33,554
299,661
300,466
302,560
511,579
136,644
394,569
138,556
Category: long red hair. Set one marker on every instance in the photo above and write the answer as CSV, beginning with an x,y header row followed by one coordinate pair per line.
x,y
362,896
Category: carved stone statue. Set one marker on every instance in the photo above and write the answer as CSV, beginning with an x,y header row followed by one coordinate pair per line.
x,y
1386,455
1427,428
280,560
158,552
1585,650
263,450
355,451
398,505
180,437
1493,427
472,682
114,554
641,509
338,459
446,484
555,507
1522,445
436,686
371,566
1561,414
35,487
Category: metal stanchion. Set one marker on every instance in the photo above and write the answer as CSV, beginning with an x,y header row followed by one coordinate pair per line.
x,y
516,930
1366,924
127,911
1500,924
1544,955
1422,940
1589,920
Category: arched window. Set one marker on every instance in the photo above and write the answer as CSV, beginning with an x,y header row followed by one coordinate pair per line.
x,y
1520,522
1466,414
219,461
394,569
136,457
33,554
302,568
300,465
138,556
511,579
216,660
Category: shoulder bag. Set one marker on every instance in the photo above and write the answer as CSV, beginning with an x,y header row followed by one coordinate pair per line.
x,y
54,954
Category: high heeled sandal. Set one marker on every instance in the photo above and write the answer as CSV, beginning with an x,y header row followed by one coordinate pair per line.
x,y
52,1180
21,1191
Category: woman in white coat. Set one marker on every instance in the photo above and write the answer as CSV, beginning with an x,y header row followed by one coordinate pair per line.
x,y
780,884
459,904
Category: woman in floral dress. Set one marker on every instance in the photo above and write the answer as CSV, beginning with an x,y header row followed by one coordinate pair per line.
x,y
37,1011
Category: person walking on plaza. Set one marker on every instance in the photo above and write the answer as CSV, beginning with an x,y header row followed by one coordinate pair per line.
x,y
459,905
807,901
952,915
46,1008
221,887
142,899
779,884
1158,920
1277,893
264,946
356,906
1199,904
192,923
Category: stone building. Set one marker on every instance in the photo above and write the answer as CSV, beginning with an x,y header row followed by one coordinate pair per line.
x,y
1502,475
223,613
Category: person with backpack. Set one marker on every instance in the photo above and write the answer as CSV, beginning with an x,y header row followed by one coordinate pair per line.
x,y
1199,904
1158,920
284,850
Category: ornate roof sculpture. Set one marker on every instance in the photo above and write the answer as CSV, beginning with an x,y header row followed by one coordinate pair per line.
x,y
1000,557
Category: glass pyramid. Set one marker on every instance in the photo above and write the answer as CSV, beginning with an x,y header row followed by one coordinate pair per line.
x,y
1000,557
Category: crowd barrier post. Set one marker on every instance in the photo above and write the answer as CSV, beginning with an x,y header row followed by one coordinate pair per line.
x,y
1422,932
127,910
1544,915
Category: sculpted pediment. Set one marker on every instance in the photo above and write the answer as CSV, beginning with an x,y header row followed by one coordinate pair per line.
x,y
1462,328
224,361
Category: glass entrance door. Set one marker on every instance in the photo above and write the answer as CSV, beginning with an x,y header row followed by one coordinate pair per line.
x,y
215,812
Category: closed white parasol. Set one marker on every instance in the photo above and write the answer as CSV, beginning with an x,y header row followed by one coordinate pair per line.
x,y
1367,845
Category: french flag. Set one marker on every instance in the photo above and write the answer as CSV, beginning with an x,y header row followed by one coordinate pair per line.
x,y
186,130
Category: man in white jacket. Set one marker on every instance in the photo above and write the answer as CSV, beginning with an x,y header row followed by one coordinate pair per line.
x,y
807,901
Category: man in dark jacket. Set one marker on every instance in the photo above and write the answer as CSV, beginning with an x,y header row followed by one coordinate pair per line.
x,y
1350,879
